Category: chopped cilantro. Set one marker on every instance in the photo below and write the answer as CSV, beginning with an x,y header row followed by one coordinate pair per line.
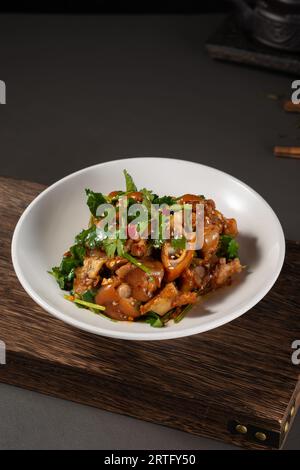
x,y
89,296
91,237
78,252
228,247
113,245
153,319
179,243
169,200
94,200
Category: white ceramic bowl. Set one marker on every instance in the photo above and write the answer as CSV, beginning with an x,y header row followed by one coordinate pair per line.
x,y
48,226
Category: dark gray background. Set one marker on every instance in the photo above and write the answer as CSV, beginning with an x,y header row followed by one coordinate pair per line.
x,y
87,89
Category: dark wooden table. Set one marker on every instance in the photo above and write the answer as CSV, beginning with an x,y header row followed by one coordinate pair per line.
x,y
81,90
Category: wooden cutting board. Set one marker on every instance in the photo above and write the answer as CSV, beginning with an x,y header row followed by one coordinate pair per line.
x,y
207,384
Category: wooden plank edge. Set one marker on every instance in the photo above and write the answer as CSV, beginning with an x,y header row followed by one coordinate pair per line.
x,y
86,389
245,57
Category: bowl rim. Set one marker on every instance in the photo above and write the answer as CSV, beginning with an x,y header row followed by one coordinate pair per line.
x,y
142,336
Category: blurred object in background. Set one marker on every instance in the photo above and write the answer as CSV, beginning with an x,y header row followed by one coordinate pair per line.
x,y
275,23
262,33
287,152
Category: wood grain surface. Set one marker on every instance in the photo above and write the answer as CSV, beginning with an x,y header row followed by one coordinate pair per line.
x,y
205,384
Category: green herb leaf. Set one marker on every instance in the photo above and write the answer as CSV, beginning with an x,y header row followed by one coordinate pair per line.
x,y
90,238
130,186
148,194
233,249
65,273
89,296
179,243
113,246
137,263
183,313
110,247
95,308
86,304
148,197
60,278
68,263
81,237
166,317
93,238
169,200
94,200
228,247
78,252
89,304
153,319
